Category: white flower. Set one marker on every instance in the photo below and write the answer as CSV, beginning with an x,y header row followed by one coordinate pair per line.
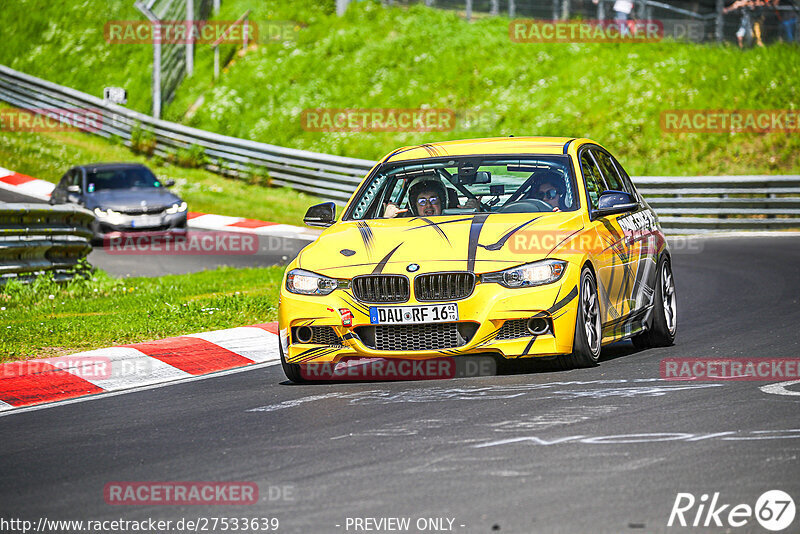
x,y
51,297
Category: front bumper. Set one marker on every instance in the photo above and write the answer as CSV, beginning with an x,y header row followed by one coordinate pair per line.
x,y
481,317
126,224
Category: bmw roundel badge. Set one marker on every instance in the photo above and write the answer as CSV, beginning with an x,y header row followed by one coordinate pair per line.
x,y
412,267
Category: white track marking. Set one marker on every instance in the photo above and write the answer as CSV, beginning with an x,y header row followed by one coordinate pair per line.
x,y
5,172
213,222
6,412
5,406
254,343
780,388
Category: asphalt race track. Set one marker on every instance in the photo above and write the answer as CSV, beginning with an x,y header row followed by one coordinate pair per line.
x,y
271,250
593,450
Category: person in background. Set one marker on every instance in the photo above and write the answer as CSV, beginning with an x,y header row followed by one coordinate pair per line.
x,y
622,13
746,22
759,13
788,21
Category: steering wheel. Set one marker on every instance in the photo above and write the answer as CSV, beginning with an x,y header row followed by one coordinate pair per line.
x,y
526,206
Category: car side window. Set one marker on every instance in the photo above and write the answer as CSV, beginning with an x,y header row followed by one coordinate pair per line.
x,y
626,180
75,178
594,180
609,170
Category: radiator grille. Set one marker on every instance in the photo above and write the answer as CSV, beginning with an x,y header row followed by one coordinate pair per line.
x,y
416,336
381,288
444,286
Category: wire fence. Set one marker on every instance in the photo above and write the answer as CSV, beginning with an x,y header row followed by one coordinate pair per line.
x,y
695,20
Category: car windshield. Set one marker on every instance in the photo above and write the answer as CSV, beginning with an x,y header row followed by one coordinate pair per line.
x,y
124,178
483,184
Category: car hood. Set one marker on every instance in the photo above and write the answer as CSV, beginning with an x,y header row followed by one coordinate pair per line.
x,y
473,242
122,199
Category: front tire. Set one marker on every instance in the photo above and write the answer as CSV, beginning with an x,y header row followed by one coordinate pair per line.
x,y
663,324
587,345
291,370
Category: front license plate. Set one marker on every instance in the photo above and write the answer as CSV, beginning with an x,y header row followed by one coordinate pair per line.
x,y
143,222
413,314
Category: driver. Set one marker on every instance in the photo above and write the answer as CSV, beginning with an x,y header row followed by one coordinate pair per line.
x,y
427,195
549,188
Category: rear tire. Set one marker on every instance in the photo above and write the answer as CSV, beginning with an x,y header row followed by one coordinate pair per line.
x,y
291,370
587,345
663,324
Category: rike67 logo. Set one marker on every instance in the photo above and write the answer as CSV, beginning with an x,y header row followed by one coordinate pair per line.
x,y
774,510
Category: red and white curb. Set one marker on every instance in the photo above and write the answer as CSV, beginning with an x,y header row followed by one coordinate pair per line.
x,y
25,185
41,189
207,221
43,381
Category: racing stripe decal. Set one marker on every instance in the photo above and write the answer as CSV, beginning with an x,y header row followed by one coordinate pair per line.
x,y
560,304
506,236
357,305
474,233
366,235
528,346
381,264
435,227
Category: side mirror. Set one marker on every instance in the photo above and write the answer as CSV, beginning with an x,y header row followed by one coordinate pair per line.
x,y
322,215
168,183
74,189
612,202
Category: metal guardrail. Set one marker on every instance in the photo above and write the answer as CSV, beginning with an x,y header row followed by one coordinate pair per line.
x,y
38,238
699,204
323,175
684,204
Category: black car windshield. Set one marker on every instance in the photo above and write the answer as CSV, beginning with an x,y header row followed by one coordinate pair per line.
x,y
123,178
482,184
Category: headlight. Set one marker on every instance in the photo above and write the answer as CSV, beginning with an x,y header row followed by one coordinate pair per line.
x,y
532,274
105,213
308,283
177,208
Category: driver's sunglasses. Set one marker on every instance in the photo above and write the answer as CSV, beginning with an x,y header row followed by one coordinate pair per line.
x,y
550,194
424,201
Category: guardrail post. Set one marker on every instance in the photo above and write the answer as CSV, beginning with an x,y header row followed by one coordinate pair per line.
x,y
145,9
341,6
190,41
494,8
512,9
719,20
468,9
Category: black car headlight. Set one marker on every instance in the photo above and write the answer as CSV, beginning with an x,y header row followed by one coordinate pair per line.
x,y
308,283
531,274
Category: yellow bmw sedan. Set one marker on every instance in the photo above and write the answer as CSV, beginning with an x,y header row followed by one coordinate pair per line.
x,y
516,247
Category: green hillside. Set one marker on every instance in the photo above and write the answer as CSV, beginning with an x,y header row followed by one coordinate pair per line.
x,y
417,57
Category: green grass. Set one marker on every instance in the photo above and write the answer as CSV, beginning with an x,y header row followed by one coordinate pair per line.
x,y
378,57
49,319
48,156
